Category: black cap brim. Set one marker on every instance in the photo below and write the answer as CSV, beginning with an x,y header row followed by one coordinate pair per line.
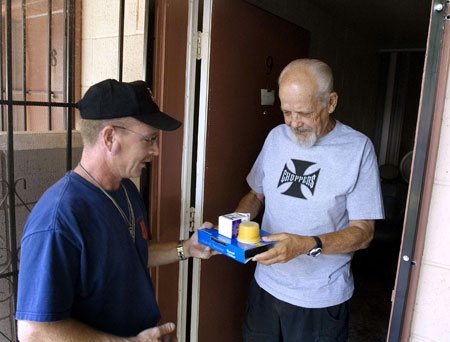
x,y
160,121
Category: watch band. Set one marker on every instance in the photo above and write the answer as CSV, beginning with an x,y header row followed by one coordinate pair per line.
x,y
315,251
180,251
318,242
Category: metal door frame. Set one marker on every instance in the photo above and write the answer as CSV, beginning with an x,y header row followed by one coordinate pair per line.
x,y
422,166
205,54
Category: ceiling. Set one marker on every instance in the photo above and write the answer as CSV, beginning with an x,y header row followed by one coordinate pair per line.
x,y
390,23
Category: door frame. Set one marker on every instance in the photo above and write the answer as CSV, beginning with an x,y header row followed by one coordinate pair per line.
x,y
205,49
187,167
426,145
193,162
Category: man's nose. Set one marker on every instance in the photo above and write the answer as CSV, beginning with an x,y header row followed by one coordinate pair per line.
x,y
296,121
154,149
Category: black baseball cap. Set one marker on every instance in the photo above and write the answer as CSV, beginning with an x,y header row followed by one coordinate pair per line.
x,y
110,99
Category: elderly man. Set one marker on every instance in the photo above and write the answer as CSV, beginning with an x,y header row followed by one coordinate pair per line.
x,y
85,249
318,181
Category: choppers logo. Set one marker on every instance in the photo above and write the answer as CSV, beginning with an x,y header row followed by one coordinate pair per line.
x,y
298,178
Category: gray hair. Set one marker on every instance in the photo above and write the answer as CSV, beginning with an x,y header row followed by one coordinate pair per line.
x,y
319,70
90,129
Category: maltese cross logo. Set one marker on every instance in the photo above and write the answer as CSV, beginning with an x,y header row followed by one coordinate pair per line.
x,y
298,178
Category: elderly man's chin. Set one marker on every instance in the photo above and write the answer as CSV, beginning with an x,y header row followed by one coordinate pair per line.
x,y
305,139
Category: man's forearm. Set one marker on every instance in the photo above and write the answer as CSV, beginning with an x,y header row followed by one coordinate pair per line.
x,y
162,253
357,236
251,203
60,331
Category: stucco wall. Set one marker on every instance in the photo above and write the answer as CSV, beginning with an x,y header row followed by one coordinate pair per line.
x,y
99,42
432,308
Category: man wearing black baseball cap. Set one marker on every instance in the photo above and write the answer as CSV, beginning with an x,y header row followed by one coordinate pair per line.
x,y
85,249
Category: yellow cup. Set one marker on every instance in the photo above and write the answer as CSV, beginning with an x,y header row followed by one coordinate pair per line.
x,y
248,232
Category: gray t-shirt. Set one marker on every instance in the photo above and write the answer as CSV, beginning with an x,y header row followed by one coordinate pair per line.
x,y
312,191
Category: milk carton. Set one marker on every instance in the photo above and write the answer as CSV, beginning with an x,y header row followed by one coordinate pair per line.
x,y
229,224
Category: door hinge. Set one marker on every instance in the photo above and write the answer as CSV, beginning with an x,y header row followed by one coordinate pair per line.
x,y
191,219
199,45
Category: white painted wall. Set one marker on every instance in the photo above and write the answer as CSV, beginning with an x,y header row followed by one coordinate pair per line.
x,y
432,307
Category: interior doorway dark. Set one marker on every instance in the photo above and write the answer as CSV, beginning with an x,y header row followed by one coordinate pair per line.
x,y
375,268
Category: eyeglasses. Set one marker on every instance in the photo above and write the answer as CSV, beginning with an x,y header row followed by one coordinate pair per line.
x,y
151,141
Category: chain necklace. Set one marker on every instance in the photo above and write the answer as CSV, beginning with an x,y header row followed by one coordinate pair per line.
x,y
129,222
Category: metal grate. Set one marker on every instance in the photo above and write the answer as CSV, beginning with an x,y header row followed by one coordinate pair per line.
x,y
36,81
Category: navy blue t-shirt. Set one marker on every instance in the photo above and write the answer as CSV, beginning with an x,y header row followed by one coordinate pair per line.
x,y
78,260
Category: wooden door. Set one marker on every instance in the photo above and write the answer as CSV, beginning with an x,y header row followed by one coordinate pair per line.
x,y
242,38
165,199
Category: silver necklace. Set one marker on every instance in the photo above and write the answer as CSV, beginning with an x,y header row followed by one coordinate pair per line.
x,y
129,222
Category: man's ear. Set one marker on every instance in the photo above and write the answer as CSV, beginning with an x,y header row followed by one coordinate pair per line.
x,y
332,102
108,137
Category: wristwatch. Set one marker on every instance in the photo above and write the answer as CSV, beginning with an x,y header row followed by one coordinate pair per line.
x,y
180,251
317,249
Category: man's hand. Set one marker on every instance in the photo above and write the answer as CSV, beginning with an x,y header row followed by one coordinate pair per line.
x,y
195,249
156,334
75,331
288,247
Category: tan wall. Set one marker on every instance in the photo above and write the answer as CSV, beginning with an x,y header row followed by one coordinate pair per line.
x,y
432,308
100,32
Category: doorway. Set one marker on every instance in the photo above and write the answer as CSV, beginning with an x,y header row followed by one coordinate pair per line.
x,y
353,40
375,268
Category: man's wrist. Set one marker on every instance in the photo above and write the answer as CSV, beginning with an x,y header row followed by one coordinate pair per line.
x,y
181,251
317,249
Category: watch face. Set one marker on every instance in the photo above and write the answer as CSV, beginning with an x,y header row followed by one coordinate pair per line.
x,y
315,251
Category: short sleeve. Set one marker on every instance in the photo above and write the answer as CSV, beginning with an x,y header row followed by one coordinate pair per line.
x,y
48,274
365,201
256,175
255,178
